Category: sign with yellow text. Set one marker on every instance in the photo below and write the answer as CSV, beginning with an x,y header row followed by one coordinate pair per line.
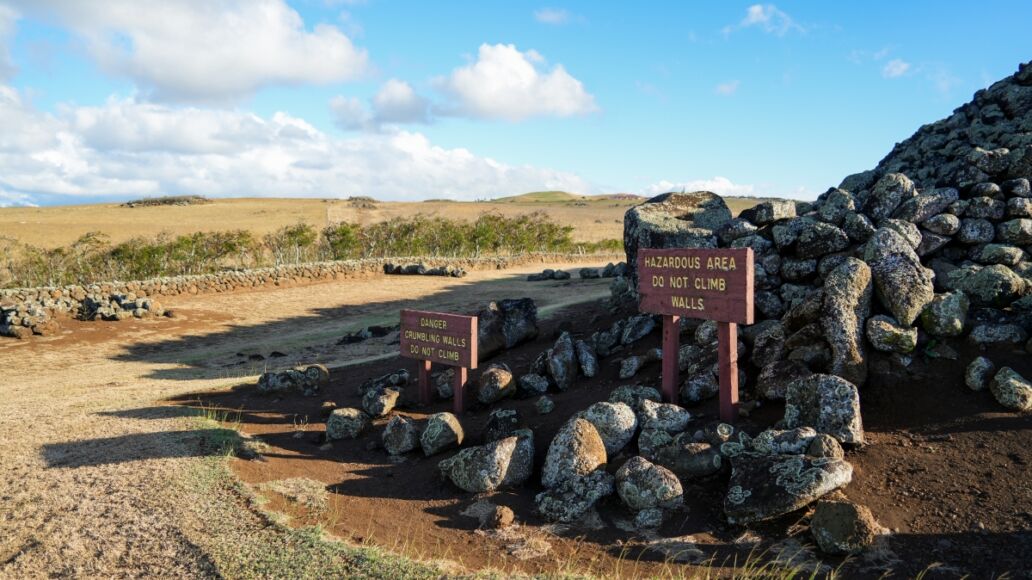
x,y
449,339
706,283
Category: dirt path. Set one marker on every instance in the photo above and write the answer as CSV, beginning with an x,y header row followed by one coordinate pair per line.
x,y
91,474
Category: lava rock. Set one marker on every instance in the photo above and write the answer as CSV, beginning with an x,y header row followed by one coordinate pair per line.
x,y
842,527
1011,390
346,423
574,496
576,450
379,403
496,383
442,432
562,362
401,435
504,324
829,404
666,416
643,485
501,423
616,424
763,486
847,303
586,358
979,373
887,335
945,314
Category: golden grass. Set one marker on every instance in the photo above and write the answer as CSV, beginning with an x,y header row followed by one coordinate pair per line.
x,y
593,219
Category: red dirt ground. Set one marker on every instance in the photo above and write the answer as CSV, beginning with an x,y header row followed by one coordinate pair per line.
x,y
946,472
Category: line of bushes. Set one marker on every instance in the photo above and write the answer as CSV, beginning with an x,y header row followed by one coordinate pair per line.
x,y
93,258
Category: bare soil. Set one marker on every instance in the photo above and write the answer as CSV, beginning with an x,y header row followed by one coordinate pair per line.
x,y
945,472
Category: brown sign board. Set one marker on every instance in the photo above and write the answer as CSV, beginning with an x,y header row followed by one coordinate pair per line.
x,y
448,339
707,283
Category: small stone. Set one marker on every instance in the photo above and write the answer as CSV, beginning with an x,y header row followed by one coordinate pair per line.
x,y
544,405
1012,390
401,435
443,431
497,518
842,527
531,385
666,416
979,373
346,423
887,335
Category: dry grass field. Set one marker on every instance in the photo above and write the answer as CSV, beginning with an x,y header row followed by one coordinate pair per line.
x,y
594,218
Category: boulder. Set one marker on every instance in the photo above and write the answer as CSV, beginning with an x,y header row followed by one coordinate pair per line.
x,y
501,423
772,211
615,422
888,192
919,208
1011,390
396,379
903,286
634,396
573,497
847,303
442,432
769,345
979,373
824,445
531,385
576,450
632,364
997,336
346,423
763,486
637,328
504,324
666,416
774,378
1016,231
562,362
784,442
521,465
586,358
306,379
945,314
820,239
829,404
401,435
842,527
482,468
379,403
651,441
887,335
673,220
643,485
689,459
943,224
994,285
698,387
496,383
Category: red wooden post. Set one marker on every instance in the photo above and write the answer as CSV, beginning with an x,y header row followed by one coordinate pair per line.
x,y
425,394
727,360
459,390
671,347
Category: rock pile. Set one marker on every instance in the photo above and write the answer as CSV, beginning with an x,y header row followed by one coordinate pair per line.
x,y
421,269
307,380
610,270
549,274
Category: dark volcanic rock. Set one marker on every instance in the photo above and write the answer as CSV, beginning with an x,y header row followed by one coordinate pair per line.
x,y
767,486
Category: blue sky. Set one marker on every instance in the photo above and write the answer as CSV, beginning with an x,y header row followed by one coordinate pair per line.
x,y
413,100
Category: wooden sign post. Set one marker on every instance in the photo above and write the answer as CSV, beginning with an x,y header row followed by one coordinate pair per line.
x,y
436,337
711,284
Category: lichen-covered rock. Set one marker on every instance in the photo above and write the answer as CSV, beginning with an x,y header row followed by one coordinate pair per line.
x,y
979,373
819,239
606,341
837,203
496,383
562,362
698,387
1011,390
769,345
919,208
1010,336
307,379
531,385
997,254
521,465
673,220
689,459
586,358
785,442
666,416
858,227
616,424
946,314
829,404
944,224
774,378
995,285
544,405
887,335
379,403
772,211
842,527
824,445
504,324
396,379
573,497
767,486
903,286
634,363
888,192
482,468
442,432
633,395
906,230
1016,231
501,423
847,303
637,328
576,450
401,435
975,231
346,423
643,485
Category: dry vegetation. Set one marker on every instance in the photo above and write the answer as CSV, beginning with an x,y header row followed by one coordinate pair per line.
x,y
593,220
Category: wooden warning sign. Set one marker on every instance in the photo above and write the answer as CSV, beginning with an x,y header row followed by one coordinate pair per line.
x,y
438,337
706,283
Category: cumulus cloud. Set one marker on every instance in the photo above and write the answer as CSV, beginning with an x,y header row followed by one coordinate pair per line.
x,y
719,185
727,89
895,68
395,103
552,16
129,148
505,83
206,51
7,19
768,18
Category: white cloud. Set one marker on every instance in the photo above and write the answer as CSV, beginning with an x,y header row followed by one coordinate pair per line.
x,y
768,18
206,51
552,16
727,89
895,68
128,148
718,185
7,19
395,103
505,83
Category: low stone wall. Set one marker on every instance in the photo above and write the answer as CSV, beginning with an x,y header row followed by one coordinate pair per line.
x,y
26,311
